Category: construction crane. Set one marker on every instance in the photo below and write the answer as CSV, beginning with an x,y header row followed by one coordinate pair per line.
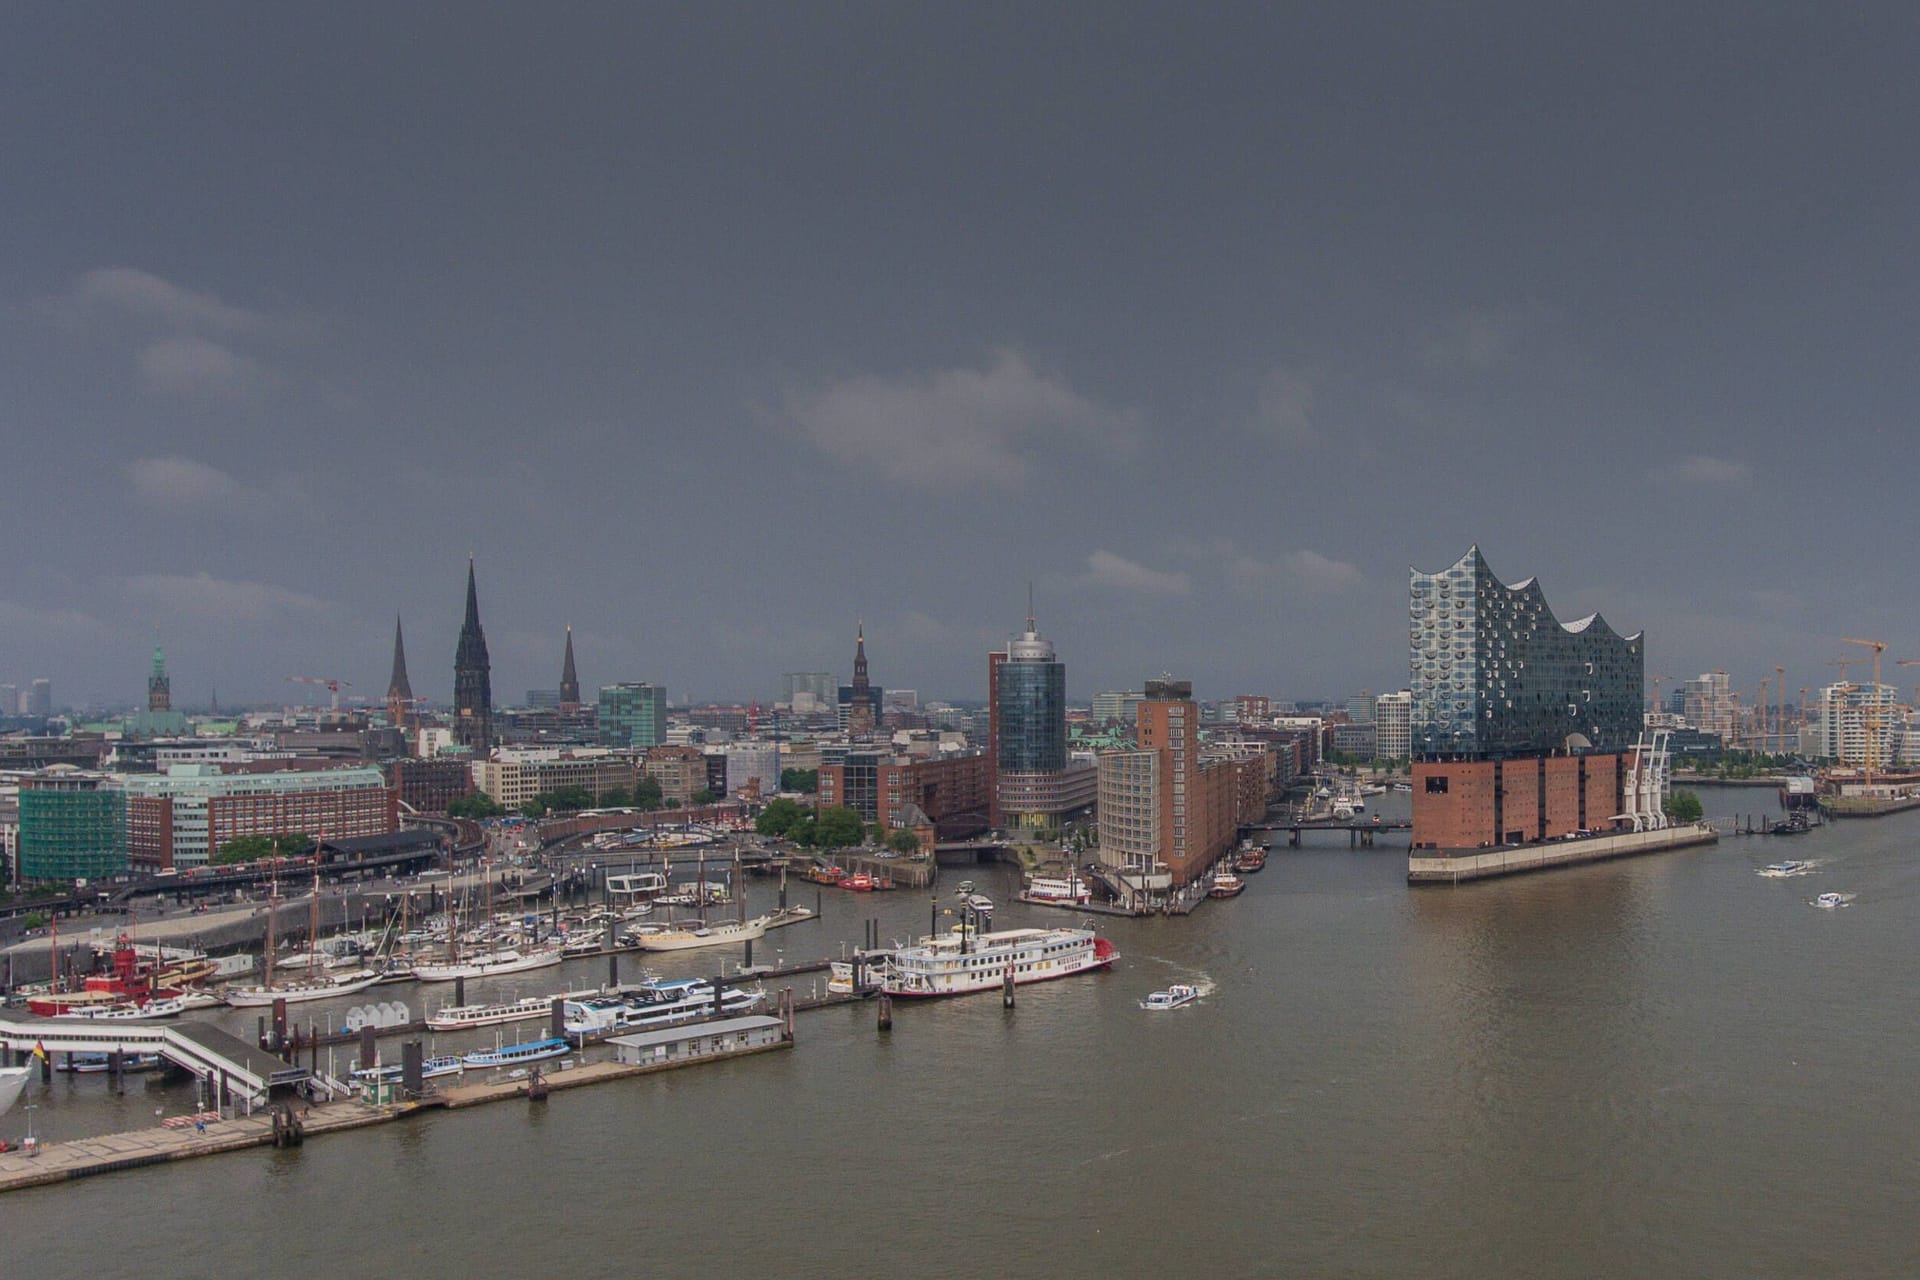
x,y
333,687
1760,714
1780,705
1873,703
1657,677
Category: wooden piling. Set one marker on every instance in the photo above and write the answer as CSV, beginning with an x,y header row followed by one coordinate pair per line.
x,y
886,1012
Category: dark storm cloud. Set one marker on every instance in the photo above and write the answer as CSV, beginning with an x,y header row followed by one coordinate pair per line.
x,y
710,329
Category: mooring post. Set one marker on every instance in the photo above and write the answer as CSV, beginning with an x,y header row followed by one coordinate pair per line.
x,y
369,1046
783,892
886,1012
1006,989
559,1013
748,962
459,992
116,1068
613,969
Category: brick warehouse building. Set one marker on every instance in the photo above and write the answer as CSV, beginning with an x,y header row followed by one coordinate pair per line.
x,y
1521,723
954,791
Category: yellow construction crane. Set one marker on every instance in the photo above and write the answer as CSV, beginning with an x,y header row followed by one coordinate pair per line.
x,y
1760,713
1873,703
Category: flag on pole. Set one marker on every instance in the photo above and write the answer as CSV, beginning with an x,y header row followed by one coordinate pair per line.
x,y
40,1050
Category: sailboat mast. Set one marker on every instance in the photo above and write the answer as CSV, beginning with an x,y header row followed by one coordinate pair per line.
x,y
273,909
313,923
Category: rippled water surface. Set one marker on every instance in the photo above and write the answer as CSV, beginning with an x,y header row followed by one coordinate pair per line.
x,y
1669,1066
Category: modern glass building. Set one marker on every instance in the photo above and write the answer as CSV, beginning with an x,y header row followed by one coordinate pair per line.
x,y
1030,696
73,825
1036,784
1495,674
633,715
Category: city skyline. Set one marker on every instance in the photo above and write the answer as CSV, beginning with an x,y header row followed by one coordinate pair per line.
x,y
1211,328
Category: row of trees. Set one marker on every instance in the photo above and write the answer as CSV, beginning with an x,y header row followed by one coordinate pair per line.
x,y
834,827
283,844
646,794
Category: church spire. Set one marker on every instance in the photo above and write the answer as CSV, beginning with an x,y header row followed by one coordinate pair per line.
x,y
399,689
569,678
863,703
472,679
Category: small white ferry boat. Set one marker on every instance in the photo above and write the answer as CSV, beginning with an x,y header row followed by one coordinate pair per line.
x,y
962,962
1172,998
658,1004
390,1072
461,1016
1781,870
515,1055
1831,900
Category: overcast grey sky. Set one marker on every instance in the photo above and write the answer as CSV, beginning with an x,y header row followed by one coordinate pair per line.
x,y
711,328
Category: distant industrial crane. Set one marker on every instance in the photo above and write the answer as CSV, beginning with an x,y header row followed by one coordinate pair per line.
x,y
333,687
1873,703
1657,677
1780,704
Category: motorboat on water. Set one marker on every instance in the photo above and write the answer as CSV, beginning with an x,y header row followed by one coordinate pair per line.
x,y
1249,859
1172,998
869,971
515,1055
1779,870
391,1072
1831,900
1226,885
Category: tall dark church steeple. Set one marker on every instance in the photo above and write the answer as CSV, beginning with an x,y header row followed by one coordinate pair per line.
x,y
472,679
399,689
863,704
569,678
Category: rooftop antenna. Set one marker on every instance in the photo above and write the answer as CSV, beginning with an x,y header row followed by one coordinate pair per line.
x,y
1030,625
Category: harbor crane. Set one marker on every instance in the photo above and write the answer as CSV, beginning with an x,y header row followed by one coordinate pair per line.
x,y
333,687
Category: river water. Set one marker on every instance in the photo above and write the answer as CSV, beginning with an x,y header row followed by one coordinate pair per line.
x,y
1668,1066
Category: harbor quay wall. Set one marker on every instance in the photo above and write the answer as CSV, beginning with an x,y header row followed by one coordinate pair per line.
x,y
90,1157
1438,867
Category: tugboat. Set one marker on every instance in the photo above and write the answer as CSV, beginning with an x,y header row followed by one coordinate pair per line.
x,y
1226,885
1250,859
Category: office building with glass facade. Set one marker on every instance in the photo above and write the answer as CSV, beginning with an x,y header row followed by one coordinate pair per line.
x,y
1036,784
73,825
633,715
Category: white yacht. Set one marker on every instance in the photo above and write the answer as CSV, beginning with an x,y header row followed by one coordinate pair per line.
x,y
689,936
490,964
